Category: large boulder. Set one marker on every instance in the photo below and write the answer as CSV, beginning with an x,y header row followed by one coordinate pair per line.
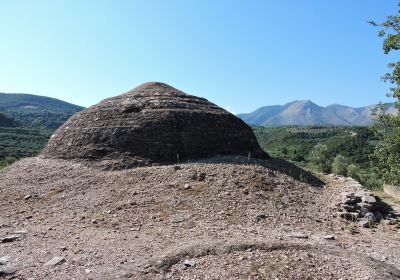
x,y
153,123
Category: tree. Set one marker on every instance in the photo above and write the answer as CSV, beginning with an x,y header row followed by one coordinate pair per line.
x,y
387,153
339,165
319,158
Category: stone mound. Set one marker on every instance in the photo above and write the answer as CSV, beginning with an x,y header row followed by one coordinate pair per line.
x,y
153,123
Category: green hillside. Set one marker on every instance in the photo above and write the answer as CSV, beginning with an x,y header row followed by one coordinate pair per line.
x,y
20,142
356,144
7,121
37,111
26,123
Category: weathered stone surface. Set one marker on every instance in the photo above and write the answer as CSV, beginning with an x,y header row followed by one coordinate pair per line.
x,y
329,237
393,191
4,260
11,238
153,123
299,235
55,261
348,215
365,223
368,199
189,263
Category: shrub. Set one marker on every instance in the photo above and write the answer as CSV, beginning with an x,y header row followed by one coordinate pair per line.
x,y
339,165
352,171
319,158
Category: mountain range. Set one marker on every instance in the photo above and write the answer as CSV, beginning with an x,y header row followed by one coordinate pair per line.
x,y
306,113
46,112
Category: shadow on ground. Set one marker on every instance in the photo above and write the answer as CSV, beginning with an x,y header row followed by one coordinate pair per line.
x,y
274,164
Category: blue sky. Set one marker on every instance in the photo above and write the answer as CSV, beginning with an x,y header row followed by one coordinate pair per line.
x,y
241,54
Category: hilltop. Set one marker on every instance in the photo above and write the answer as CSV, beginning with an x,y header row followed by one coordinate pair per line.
x,y
306,113
37,111
26,123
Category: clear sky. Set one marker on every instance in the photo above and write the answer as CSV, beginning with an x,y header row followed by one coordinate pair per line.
x,y
241,54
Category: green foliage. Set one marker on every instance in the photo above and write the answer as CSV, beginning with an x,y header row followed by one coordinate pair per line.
x,y
319,158
339,165
356,144
7,121
352,228
20,142
387,159
387,154
37,111
353,171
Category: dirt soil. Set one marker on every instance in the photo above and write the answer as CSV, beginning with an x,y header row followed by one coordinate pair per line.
x,y
215,219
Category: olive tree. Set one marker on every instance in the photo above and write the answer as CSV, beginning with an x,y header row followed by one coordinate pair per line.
x,y
387,153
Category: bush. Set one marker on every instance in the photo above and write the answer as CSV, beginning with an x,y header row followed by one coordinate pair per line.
x,y
319,158
352,171
387,160
370,179
339,165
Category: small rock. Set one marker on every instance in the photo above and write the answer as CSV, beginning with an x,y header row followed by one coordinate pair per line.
x,y
201,177
186,186
370,216
4,260
7,271
26,197
189,263
260,217
137,228
368,199
365,224
329,237
299,235
387,222
348,215
11,238
87,271
55,261
63,248
350,208
365,205
364,211
361,194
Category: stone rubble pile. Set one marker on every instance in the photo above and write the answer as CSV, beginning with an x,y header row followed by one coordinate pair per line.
x,y
363,207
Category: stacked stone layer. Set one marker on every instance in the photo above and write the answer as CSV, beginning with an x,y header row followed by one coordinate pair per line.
x,y
153,123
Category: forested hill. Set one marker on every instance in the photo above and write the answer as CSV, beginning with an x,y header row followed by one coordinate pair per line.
x,y
37,111
7,121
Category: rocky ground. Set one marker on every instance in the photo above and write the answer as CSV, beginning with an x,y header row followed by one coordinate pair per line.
x,y
217,219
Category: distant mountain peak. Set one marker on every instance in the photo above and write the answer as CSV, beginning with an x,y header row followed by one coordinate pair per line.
x,y
306,112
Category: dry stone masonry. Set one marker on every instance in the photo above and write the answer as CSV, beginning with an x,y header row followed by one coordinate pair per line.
x,y
153,123
363,207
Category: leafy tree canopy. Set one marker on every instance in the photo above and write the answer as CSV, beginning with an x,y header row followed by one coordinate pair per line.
x,y
387,153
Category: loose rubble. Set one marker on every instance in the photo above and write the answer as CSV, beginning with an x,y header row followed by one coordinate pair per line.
x,y
239,219
363,207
